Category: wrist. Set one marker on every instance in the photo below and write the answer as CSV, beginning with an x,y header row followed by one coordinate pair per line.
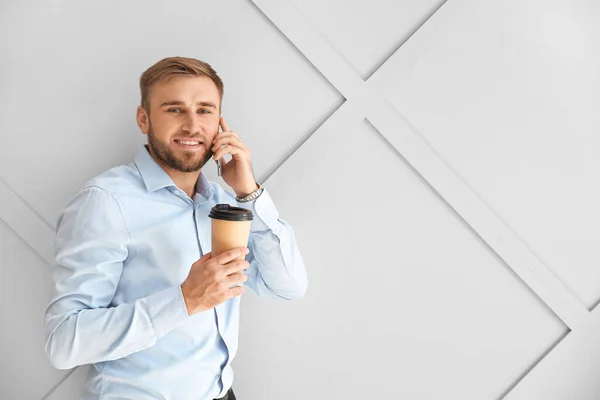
x,y
251,196
186,299
246,190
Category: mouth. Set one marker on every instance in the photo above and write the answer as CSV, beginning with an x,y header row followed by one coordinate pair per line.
x,y
189,144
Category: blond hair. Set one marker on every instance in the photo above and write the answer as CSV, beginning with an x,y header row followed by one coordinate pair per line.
x,y
169,67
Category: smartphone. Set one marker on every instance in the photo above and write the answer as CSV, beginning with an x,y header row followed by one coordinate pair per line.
x,y
219,160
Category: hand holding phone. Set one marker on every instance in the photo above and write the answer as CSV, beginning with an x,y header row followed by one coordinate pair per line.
x,y
236,172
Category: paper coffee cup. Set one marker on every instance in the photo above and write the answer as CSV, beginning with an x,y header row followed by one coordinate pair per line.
x,y
230,228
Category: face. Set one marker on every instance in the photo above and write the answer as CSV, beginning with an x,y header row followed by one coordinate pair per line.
x,y
182,123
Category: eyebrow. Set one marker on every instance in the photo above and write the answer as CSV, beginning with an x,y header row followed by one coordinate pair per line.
x,y
181,103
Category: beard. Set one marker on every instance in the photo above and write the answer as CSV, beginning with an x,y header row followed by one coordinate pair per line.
x,y
183,161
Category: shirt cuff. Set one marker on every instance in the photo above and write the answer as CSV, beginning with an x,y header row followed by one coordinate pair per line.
x,y
166,310
265,213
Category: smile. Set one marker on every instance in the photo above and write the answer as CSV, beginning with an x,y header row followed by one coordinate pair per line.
x,y
189,143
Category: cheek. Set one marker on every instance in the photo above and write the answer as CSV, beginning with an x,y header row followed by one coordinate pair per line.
x,y
165,127
210,138
212,131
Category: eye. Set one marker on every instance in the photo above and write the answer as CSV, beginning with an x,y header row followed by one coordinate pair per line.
x,y
175,110
204,111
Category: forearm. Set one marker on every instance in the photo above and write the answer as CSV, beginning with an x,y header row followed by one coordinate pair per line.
x,y
76,336
276,264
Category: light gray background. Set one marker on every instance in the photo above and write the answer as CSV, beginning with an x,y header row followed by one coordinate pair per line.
x,y
437,159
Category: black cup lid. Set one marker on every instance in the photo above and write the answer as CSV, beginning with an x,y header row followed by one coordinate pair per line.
x,y
230,213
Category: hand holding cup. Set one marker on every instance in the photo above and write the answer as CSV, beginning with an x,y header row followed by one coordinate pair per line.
x,y
211,280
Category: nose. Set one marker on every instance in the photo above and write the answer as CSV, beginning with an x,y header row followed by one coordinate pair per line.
x,y
191,124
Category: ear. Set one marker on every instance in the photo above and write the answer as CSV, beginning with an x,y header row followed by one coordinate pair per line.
x,y
143,120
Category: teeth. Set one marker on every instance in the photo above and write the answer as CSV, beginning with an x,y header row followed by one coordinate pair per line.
x,y
188,142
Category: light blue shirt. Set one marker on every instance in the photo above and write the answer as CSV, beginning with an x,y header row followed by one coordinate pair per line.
x,y
124,245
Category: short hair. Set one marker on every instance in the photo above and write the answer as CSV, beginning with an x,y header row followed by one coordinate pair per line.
x,y
169,67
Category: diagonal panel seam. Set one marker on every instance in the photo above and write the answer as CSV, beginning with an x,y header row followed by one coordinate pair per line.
x,y
58,384
479,215
306,139
294,45
547,286
346,115
312,46
534,364
406,39
26,223
484,222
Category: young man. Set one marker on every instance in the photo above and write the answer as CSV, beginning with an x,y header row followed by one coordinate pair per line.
x,y
138,294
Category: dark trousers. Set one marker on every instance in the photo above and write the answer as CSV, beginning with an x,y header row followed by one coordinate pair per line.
x,y
228,396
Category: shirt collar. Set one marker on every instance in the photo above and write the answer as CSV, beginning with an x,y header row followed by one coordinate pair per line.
x,y
204,187
155,177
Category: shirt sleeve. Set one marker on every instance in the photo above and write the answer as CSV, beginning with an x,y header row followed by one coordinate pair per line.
x,y
276,266
81,327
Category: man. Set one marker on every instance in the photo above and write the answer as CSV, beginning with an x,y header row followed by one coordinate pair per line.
x,y
138,294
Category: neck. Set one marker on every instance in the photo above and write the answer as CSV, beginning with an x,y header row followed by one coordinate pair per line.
x,y
185,181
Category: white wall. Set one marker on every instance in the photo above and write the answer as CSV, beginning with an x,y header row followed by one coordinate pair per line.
x,y
443,202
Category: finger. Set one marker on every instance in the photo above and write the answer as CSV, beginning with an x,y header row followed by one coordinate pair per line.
x,y
235,267
228,150
227,133
231,255
235,291
236,279
228,138
224,124
204,258
225,139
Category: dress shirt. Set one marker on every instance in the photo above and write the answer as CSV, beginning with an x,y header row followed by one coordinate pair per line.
x,y
124,245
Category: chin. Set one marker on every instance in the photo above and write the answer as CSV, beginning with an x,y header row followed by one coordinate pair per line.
x,y
191,166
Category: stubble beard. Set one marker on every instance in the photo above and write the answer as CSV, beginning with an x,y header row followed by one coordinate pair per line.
x,y
183,161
